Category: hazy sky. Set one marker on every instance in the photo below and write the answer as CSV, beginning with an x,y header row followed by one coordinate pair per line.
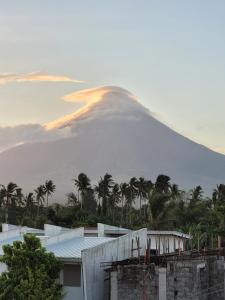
x,y
171,54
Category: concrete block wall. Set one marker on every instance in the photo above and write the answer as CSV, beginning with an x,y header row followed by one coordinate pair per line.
x,y
197,279
134,282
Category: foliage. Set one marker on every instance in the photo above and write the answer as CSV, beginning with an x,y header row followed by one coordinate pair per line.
x,y
133,204
32,272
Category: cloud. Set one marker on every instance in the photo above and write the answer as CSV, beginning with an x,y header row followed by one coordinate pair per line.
x,y
95,94
29,133
87,95
35,77
117,99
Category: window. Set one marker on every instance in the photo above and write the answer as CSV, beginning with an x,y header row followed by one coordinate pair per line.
x,y
72,275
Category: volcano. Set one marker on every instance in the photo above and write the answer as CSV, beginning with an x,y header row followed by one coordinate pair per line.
x,y
111,133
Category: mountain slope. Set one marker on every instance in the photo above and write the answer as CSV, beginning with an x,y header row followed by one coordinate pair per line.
x,y
116,134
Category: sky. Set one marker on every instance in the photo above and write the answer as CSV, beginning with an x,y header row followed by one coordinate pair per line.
x,y
170,54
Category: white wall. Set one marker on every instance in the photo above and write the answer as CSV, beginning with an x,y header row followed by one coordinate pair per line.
x,y
104,227
167,242
73,293
78,232
115,250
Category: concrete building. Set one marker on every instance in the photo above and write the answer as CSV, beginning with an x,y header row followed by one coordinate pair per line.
x,y
162,241
85,252
83,257
179,278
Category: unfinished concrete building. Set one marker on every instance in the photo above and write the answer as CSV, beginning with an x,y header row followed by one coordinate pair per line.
x,y
198,276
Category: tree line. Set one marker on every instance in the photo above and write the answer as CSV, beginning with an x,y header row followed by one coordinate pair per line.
x,y
133,204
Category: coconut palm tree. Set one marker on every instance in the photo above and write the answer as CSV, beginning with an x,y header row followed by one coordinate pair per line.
x,y
123,189
49,189
72,199
19,197
105,184
158,209
141,191
82,183
7,193
40,193
196,195
129,200
134,186
162,184
219,194
114,199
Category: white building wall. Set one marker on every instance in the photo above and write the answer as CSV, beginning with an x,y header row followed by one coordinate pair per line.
x,y
115,250
73,293
166,243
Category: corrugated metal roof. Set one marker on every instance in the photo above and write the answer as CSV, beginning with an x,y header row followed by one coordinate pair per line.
x,y
72,248
168,232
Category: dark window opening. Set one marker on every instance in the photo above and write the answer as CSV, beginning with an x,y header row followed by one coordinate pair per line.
x,y
72,275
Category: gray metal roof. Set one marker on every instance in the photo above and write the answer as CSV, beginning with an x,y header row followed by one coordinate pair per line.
x,y
72,248
168,232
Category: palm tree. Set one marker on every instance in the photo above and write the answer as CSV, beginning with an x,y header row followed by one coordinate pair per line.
x,y
29,203
123,189
7,193
19,197
40,193
105,185
114,199
159,207
49,189
196,194
162,184
141,184
219,194
134,186
72,199
129,200
175,193
98,192
83,184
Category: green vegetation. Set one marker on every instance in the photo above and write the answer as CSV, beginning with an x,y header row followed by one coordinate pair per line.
x,y
133,204
32,272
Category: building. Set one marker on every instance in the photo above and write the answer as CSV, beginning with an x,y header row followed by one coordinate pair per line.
x,y
85,252
169,277
83,276
162,241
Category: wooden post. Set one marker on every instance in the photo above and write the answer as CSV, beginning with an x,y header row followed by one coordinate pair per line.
x,y
179,247
198,243
159,245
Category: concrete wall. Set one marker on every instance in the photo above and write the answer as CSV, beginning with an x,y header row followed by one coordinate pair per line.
x,y
132,282
196,279
95,283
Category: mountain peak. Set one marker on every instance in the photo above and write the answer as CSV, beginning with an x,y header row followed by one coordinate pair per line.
x,y
100,102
